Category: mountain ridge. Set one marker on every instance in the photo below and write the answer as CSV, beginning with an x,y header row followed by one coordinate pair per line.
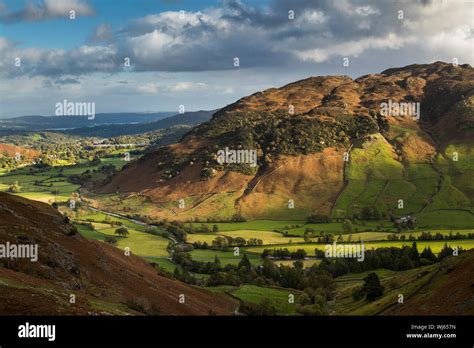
x,y
308,125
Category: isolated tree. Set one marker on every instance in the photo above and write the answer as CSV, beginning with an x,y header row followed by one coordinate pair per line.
x,y
111,240
347,226
215,228
307,237
14,188
372,287
217,261
122,232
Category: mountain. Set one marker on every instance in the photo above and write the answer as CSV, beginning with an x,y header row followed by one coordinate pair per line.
x,y
329,145
105,131
34,123
103,279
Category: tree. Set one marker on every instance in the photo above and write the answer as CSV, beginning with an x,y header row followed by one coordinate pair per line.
x,y
220,243
122,232
366,213
372,287
111,240
215,228
238,217
245,262
428,254
239,241
14,188
347,226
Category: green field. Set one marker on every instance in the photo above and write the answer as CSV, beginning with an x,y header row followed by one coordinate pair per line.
x,y
279,298
138,242
226,257
51,185
440,193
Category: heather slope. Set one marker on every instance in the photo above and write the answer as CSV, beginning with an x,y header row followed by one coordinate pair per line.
x,y
103,279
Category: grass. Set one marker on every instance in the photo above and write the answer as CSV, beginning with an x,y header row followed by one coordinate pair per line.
x,y
164,263
226,257
457,219
139,242
279,298
370,168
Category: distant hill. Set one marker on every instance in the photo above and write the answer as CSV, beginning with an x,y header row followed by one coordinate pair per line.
x,y
33,123
105,131
103,279
326,144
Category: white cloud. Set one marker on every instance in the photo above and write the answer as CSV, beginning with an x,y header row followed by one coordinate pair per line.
x,y
353,48
47,9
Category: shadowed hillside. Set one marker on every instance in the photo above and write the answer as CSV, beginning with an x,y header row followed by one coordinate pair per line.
x,y
103,279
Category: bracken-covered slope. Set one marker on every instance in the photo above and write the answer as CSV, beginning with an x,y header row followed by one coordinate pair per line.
x,y
302,132
449,291
103,279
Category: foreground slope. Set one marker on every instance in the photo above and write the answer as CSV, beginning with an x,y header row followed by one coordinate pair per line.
x,y
102,278
301,132
449,291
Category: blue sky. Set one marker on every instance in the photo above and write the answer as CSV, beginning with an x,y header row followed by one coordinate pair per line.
x,y
57,33
188,58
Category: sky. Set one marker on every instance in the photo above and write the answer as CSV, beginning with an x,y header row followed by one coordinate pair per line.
x,y
185,52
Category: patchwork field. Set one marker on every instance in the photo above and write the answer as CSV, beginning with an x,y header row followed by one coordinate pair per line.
x,y
51,185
